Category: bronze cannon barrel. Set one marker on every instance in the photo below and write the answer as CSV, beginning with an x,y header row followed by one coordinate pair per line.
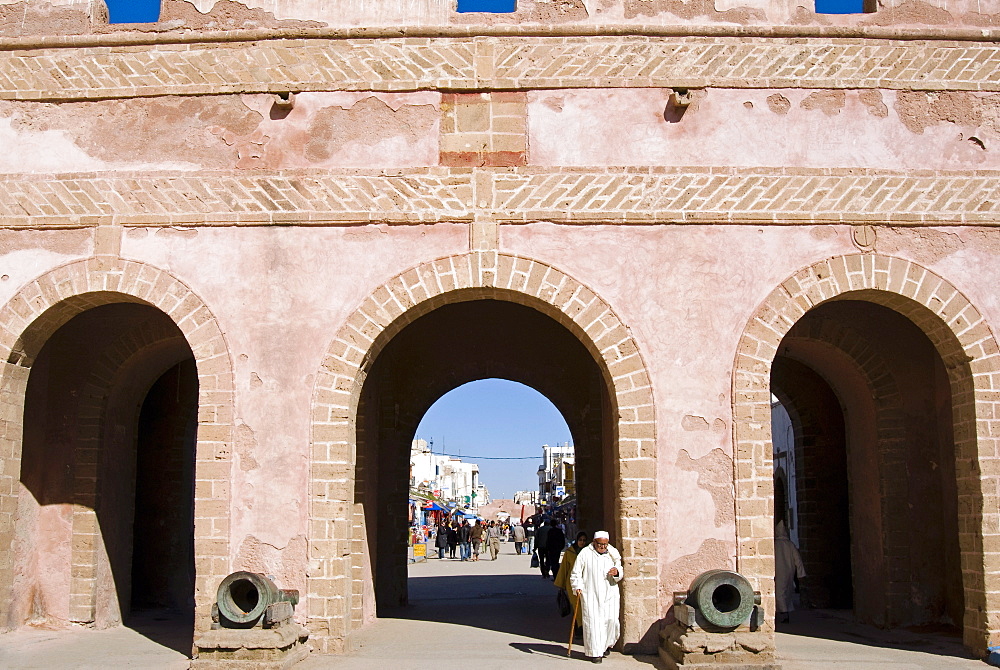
x,y
243,597
725,599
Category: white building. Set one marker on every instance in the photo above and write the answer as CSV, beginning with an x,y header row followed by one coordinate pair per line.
x,y
446,477
556,474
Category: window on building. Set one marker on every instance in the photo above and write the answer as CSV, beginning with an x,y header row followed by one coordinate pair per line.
x,y
845,6
133,11
492,6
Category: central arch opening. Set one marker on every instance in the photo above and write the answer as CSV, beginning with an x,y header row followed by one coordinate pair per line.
x,y
444,349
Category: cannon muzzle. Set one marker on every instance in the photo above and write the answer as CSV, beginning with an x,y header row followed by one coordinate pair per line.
x,y
245,598
722,600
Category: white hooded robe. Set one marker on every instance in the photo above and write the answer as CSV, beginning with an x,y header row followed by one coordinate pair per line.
x,y
600,598
787,566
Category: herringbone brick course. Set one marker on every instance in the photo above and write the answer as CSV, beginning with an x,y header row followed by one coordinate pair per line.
x,y
471,63
633,195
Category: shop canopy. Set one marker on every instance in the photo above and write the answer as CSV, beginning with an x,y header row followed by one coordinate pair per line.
x,y
434,507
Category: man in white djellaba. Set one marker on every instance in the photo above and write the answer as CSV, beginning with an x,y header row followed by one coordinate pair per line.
x,y
595,577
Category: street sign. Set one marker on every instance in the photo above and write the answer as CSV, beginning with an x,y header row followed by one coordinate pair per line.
x,y
561,491
420,550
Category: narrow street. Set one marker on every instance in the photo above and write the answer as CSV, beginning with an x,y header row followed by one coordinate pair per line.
x,y
490,615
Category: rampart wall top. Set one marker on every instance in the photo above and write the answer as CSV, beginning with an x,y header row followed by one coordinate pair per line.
x,y
73,18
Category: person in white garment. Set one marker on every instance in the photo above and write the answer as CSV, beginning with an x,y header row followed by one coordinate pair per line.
x,y
595,577
787,568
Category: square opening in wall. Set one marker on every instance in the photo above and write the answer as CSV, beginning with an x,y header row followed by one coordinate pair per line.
x,y
492,6
133,11
845,6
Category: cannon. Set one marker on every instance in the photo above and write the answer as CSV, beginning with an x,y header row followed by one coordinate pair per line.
x,y
246,599
719,600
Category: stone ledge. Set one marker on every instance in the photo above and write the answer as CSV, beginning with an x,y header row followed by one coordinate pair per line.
x,y
683,648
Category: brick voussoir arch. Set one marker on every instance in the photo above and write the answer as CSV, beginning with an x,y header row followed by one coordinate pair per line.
x,y
971,355
43,305
385,312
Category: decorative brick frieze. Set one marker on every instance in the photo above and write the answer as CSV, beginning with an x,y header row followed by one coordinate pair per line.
x,y
494,63
504,195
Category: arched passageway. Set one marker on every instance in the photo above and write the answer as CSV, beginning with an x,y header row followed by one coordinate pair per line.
x,y
106,497
877,514
379,377
116,389
885,369
435,354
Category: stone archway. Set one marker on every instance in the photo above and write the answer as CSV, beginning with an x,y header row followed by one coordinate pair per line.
x,y
35,313
336,584
968,350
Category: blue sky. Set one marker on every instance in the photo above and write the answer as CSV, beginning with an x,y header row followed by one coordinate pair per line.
x,y
494,417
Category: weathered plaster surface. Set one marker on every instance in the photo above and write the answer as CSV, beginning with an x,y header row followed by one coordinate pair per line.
x,y
701,284
280,294
77,17
878,129
217,132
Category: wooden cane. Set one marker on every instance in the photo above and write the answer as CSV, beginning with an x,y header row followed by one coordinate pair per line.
x,y
572,628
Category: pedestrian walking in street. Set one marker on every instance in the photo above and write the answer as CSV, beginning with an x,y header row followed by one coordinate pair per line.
x,y
452,539
555,542
518,531
566,569
441,539
493,539
477,539
595,577
529,533
541,535
465,540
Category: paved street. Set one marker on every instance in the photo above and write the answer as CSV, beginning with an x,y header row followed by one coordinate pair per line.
x,y
491,616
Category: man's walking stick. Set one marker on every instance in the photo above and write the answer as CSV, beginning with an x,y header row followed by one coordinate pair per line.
x,y
572,628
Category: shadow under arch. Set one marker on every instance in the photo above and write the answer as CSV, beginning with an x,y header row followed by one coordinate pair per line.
x,y
185,328
968,352
337,585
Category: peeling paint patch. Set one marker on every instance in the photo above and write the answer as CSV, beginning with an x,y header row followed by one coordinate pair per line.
x,y
287,564
919,110
828,102
778,103
224,15
178,132
924,245
691,422
368,122
711,554
530,11
691,10
42,18
715,475
911,11
872,99
246,446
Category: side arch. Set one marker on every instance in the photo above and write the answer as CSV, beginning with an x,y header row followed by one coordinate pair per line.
x,y
38,309
971,357
335,585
